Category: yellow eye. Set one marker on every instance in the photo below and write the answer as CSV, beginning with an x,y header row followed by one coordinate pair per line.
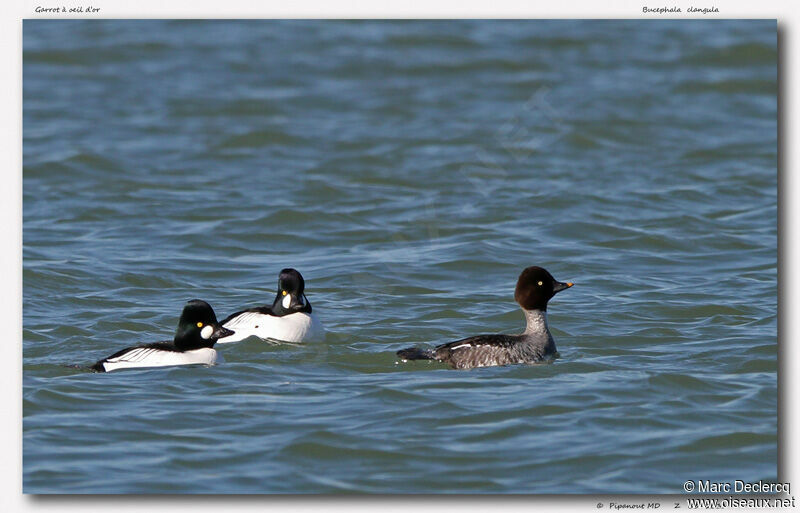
x,y
540,284
199,324
283,292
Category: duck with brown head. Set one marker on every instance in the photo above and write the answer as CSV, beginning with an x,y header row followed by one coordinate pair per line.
x,y
535,288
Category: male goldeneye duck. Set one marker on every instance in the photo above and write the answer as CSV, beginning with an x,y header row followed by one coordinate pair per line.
x,y
289,319
535,287
193,344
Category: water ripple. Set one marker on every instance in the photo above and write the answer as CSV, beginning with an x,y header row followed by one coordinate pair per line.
x,y
409,170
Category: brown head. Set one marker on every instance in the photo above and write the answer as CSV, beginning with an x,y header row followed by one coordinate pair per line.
x,y
535,287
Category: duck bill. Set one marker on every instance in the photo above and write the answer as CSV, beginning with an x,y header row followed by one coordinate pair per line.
x,y
559,286
221,332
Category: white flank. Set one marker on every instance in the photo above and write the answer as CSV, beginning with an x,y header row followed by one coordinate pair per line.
x,y
296,327
151,357
460,345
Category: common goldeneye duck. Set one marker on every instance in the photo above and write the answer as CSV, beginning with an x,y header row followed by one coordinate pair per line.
x,y
193,344
535,287
289,319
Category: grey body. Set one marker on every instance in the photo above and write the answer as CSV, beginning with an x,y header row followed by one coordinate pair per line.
x,y
535,287
534,345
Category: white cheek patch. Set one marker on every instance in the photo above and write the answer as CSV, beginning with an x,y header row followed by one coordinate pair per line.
x,y
206,332
287,300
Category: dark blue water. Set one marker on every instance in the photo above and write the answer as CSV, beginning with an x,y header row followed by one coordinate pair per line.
x,y
410,171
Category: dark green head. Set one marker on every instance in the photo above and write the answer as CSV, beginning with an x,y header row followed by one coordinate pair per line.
x,y
291,295
198,326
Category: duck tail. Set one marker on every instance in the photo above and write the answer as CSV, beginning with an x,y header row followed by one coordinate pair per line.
x,y
415,353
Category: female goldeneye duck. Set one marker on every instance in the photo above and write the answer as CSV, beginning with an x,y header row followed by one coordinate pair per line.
x,y
535,287
193,344
289,319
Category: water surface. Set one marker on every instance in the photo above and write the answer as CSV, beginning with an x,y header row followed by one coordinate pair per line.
x,y
410,171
